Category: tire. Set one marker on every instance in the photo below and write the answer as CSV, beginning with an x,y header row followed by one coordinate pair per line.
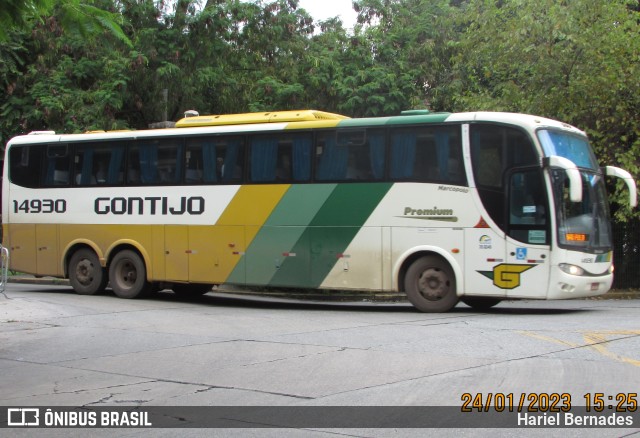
x,y
191,290
128,275
86,275
480,303
431,285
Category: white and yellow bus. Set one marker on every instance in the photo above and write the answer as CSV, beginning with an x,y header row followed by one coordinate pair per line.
x,y
478,207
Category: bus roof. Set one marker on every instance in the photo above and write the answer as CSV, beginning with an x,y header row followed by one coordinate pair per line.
x,y
301,119
528,121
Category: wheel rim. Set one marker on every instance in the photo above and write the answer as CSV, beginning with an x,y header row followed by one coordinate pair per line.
x,y
85,272
433,284
126,274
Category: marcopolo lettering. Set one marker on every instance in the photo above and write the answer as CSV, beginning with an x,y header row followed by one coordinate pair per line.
x,y
152,205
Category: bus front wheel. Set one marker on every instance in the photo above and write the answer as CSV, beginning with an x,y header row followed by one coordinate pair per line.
x,y
86,275
431,285
128,275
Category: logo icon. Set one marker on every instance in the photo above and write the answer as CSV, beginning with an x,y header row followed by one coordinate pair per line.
x,y
521,253
485,242
23,417
506,276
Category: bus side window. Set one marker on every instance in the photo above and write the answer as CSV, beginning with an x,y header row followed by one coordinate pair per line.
x,y
429,154
115,167
24,165
84,165
99,164
57,165
405,163
331,159
351,155
283,158
211,160
230,161
301,157
157,161
496,149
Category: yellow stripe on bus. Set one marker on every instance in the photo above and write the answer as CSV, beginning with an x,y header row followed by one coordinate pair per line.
x,y
240,223
252,205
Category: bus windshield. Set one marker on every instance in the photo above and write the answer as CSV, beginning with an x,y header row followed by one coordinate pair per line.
x,y
573,147
581,225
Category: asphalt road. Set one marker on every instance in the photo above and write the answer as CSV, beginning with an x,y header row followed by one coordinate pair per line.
x,y
61,349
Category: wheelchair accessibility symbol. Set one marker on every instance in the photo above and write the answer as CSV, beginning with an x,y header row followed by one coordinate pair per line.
x,y
521,253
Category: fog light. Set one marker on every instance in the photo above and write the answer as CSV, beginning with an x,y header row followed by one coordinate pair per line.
x,y
564,287
571,269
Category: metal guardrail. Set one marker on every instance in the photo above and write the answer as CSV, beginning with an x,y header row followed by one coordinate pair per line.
x,y
4,267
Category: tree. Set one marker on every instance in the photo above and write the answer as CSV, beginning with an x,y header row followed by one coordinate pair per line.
x,y
402,48
84,19
17,14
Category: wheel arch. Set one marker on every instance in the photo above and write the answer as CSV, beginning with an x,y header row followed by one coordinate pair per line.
x,y
411,255
132,245
76,245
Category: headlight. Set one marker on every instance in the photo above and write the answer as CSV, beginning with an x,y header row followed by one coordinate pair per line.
x,y
571,269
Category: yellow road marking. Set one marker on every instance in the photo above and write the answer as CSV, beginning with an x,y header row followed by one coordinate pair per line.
x,y
595,340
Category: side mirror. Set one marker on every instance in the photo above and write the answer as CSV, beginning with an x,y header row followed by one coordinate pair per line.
x,y
575,180
629,181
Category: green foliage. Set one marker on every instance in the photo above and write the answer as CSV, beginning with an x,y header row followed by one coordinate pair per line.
x,y
18,14
89,21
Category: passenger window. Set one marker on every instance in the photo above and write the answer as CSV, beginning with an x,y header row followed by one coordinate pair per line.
x,y
211,160
496,149
350,155
99,164
24,165
281,159
157,161
57,165
431,154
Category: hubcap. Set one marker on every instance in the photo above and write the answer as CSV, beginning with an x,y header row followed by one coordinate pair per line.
x,y
433,284
84,272
127,273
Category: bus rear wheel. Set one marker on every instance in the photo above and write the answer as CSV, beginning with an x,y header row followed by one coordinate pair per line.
x,y
431,285
86,275
128,275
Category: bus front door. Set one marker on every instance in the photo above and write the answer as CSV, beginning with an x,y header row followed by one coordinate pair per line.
x,y
528,242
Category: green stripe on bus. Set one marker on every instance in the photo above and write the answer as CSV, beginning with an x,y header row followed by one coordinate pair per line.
x,y
350,204
282,230
364,123
397,120
329,234
421,119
